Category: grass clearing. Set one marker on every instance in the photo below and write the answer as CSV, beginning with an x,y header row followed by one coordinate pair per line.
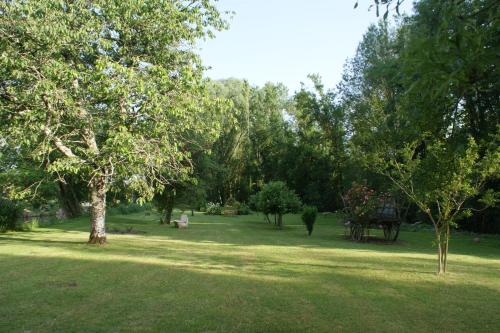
x,y
239,274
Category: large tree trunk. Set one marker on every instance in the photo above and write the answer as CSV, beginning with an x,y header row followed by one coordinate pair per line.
x,y
169,207
69,198
98,211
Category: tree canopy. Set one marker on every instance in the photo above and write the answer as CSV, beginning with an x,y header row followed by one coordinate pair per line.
x,y
106,90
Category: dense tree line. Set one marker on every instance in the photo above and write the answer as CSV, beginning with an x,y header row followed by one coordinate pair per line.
x,y
119,106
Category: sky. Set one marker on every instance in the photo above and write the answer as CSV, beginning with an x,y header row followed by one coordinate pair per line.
x,y
285,40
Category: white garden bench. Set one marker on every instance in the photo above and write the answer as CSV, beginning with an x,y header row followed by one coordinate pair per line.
x,y
182,223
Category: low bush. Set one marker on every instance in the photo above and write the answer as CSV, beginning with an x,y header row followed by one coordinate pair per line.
x,y
9,213
253,202
214,209
31,225
243,209
309,214
231,207
125,209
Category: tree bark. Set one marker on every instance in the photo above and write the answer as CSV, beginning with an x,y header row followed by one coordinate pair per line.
x,y
280,221
440,255
169,207
442,240
98,211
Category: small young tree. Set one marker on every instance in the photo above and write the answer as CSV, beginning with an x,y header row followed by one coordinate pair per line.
x,y
439,180
275,198
309,214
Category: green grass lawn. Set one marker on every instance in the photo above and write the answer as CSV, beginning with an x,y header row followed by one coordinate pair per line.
x,y
239,274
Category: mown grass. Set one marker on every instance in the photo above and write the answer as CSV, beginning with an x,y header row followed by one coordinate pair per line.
x,y
239,274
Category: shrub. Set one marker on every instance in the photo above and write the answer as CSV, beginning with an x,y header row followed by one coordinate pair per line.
x,y
309,214
9,212
362,201
244,209
124,208
214,209
31,225
232,202
253,202
231,207
276,198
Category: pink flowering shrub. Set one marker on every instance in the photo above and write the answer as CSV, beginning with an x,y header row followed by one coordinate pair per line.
x,y
361,201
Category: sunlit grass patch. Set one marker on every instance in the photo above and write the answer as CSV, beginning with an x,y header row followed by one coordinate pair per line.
x,y
240,274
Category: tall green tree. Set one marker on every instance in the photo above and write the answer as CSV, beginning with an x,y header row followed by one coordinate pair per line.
x,y
106,90
422,112
320,127
271,139
229,152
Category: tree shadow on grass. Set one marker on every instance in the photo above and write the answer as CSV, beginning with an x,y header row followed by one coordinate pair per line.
x,y
254,231
105,294
236,257
42,242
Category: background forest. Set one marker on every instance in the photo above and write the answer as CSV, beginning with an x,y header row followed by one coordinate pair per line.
x,y
425,85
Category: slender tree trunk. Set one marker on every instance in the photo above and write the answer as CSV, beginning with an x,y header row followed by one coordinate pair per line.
x,y
440,254
98,211
280,221
442,240
268,220
447,241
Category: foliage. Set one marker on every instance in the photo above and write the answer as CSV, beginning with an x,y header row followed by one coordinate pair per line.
x,y
440,181
30,225
128,208
424,120
231,207
277,199
267,135
106,90
361,201
383,3
10,211
309,214
243,209
214,209
253,201
22,179
254,141
317,173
